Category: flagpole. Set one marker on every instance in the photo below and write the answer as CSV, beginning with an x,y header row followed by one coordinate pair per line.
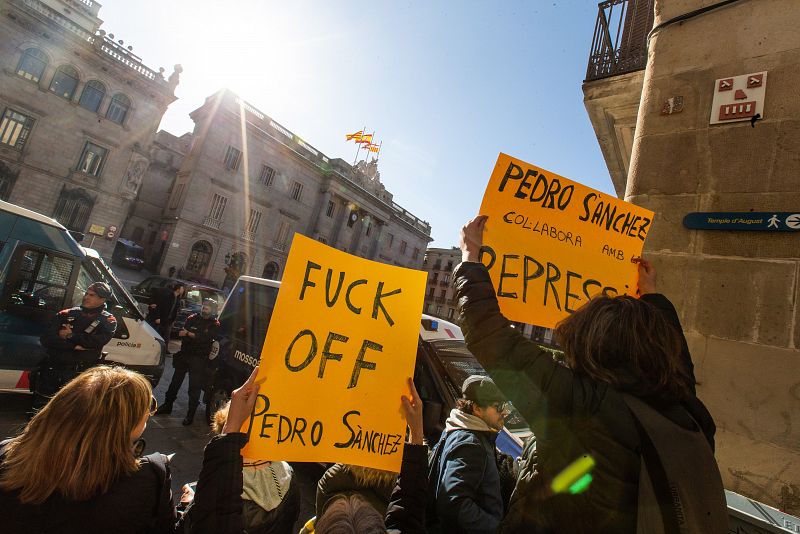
x,y
358,149
371,137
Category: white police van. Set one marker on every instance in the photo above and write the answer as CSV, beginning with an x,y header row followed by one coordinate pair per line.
x,y
43,270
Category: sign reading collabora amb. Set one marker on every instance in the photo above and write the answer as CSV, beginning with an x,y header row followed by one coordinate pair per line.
x,y
341,344
749,221
551,244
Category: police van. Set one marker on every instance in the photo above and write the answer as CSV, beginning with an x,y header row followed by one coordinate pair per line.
x,y
43,270
442,362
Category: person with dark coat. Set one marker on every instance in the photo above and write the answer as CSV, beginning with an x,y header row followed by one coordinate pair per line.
x,y
467,488
72,469
626,364
374,485
198,335
74,341
163,309
351,513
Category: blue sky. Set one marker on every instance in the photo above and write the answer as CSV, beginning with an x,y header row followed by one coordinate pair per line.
x,y
445,85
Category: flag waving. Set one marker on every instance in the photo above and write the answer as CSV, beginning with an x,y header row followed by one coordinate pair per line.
x,y
366,139
355,136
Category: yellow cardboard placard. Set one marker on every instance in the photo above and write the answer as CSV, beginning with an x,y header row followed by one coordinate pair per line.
x,y
341,344
551,244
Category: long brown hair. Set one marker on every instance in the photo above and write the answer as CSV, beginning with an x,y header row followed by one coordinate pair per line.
x,y
79,444
627,343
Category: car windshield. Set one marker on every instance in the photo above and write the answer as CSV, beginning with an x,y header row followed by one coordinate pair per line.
x,y
247,313
459,363
197,295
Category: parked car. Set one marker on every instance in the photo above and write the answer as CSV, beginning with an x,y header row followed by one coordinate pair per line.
x,y
45,270
128,254
442,364
191,302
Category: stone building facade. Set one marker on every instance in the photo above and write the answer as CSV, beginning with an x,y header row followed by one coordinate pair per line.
x,y
737,292
440,295
143,225
79,112
247,184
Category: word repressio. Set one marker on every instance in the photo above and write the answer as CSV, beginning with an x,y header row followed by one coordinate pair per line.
x,y
518,272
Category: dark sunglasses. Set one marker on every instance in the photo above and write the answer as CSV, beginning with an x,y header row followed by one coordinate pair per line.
x,y
153,406
500,406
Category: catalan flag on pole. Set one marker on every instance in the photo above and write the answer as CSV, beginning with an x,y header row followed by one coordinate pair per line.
x,y
365,139
373,148
355,136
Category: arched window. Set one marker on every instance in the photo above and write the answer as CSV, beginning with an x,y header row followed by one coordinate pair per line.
x,y
65,81
92,95
199,258
73,209
118,109
32,64
270,271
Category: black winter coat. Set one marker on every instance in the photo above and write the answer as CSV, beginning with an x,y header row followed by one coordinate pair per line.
x,y
406,512
468,496
92,329
205,332
141,503
166,303
570,414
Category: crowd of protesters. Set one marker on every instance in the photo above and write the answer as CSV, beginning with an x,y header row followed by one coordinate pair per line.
x,y
622,404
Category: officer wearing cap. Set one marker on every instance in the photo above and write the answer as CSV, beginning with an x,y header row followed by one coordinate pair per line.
x,y
74,341
464,464
197,337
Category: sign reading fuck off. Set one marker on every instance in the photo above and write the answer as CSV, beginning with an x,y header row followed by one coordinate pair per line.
x,y
340,345
551,244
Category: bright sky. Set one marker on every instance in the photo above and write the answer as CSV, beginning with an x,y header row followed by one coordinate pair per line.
x,y
446,85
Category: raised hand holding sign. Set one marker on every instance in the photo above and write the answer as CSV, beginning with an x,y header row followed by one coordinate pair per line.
x,y
341,341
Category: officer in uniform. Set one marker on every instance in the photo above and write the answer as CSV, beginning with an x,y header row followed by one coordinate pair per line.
x,y
198,335
74,341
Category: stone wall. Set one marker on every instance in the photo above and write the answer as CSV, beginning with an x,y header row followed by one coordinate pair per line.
x,y
737,292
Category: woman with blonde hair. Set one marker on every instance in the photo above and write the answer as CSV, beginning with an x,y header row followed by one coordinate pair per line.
x,y
72,469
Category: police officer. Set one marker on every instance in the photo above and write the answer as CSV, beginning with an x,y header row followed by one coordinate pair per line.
x,y
74,341
198,335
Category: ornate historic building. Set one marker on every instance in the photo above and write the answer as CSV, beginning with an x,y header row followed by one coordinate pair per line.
x,y
657,73
440,295
79,112
247,184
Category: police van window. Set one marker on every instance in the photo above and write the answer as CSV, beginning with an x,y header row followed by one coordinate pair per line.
x,y
248,312
94,271
41,279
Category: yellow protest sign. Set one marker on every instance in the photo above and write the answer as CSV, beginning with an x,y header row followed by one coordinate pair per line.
x,y
551,244
341,343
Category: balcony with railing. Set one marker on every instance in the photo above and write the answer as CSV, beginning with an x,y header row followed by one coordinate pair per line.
x,y
210,222
104,44
248,235
619,45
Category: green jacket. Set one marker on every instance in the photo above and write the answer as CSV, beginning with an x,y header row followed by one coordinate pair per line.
x,y
570,414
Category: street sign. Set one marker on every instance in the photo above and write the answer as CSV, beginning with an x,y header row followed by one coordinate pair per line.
x,y
748,221
96,229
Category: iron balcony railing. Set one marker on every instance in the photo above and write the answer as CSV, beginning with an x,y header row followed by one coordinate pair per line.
x,y
620,38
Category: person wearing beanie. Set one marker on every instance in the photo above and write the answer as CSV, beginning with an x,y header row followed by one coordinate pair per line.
x,y
74,341
464,464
